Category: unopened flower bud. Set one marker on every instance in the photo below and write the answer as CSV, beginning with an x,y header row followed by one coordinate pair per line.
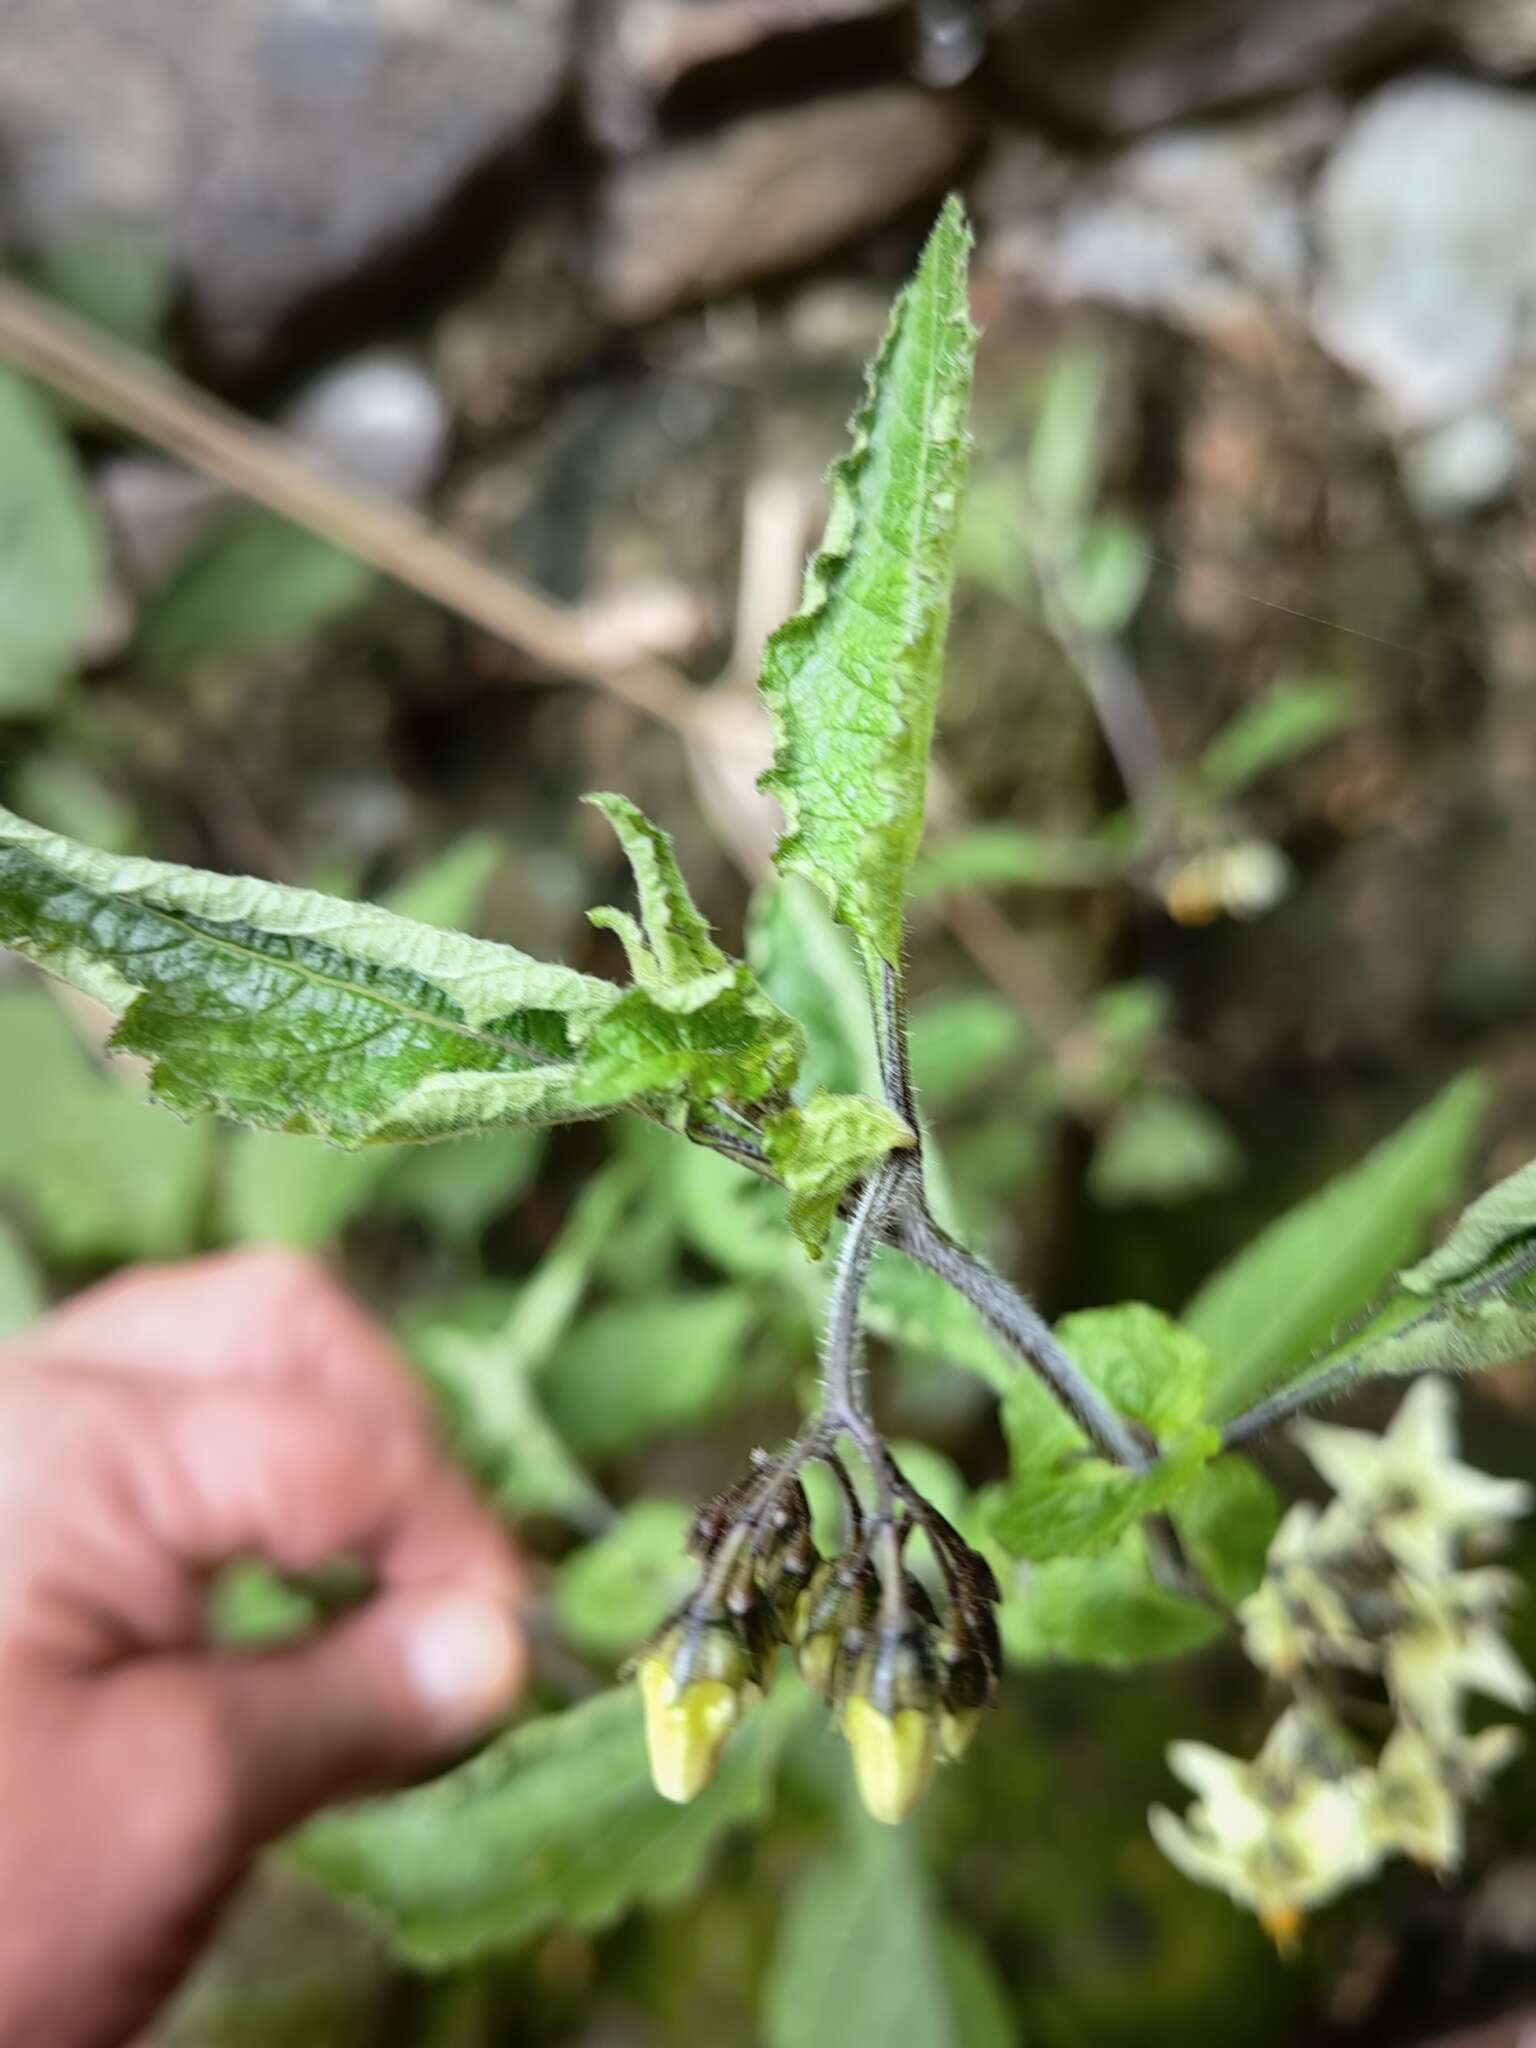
x,y
697,1679
832,1612
893,1756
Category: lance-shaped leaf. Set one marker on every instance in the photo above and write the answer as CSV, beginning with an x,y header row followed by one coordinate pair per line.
x,y
852,681
294,1011
820,1149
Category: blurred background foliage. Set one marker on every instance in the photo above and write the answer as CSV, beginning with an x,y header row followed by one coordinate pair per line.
x,y
1228,874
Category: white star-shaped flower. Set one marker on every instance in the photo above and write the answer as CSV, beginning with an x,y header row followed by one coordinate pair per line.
x,y
1407,1488
1448,1644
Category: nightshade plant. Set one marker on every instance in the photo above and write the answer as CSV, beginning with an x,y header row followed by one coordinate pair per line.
x,y
1129,1527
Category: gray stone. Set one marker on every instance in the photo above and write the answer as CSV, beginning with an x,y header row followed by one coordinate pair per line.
x,y
378,420
1463,467
770,193
1427,259
287,148
1202,226
1117,66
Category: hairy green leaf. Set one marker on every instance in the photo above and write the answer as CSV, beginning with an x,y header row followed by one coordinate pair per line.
x,y
821,1148
555,1823
50,553
864,1956
671,952
1061,1499
611,1594
84,1159
1496,1224
1268,1309
297,1012
852,681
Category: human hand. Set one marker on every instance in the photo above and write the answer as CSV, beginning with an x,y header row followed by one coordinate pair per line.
x,y
154,1428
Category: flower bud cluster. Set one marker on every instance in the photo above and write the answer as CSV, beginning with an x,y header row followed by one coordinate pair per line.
x,y
907,1681
1379,1582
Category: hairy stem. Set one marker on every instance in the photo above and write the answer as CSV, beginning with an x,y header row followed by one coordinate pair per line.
x,y
1022,1329
842,1337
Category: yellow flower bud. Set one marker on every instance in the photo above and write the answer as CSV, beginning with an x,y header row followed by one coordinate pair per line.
x,y
893,1757
685,1728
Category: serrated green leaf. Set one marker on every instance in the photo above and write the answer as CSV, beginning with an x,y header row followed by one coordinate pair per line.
x,y
1279,1300
852,681
864,1956
1103,1610
83,1158
628,1372
808,967
1496,1223
613,1592
556,1824
1163,1146
1061,1500
293,1011
1289,719
1226,1521
819,1149
255,582
51,554
672,953
21,1288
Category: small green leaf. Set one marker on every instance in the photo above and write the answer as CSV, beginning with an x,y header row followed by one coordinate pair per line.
x,y
676,958
864,1957
1226,1521
119,277
255,583
1061,1499
632,1371
1103,1610
852,681
1012,857
958,1042
612,1593
821,1149
1103,583
556,1824
22,1299
1163,1146
1280,1299
446,891
96,1171
1062,471
457,1187
51,554
1288,720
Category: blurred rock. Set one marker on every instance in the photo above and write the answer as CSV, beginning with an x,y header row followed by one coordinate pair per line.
x,y
1202,226
155,511
641,51
1463,467
1427,260
1117,66
378,420
290,149
769,193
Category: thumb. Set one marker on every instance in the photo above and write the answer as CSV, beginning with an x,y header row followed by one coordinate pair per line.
x,y
379,1698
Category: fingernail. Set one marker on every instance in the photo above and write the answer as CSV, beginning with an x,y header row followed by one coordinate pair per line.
x,y
464,1658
